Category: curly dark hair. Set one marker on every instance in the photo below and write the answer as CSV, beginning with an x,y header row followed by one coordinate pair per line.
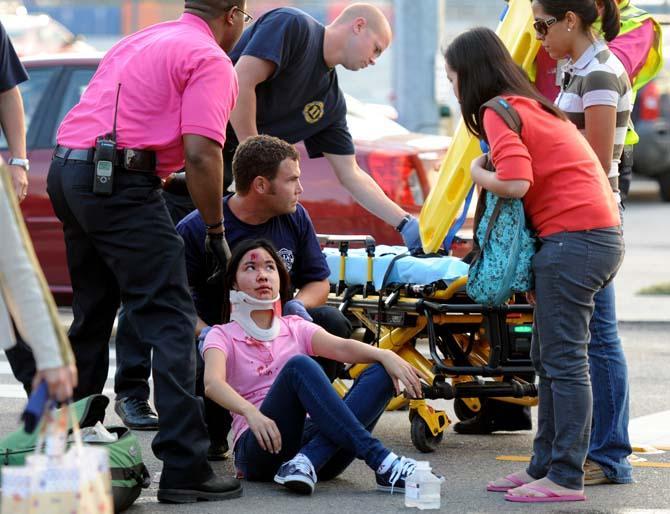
x,y
229,279
260,156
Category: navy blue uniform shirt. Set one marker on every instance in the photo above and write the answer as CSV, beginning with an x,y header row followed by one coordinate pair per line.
x,y
292,235
302,100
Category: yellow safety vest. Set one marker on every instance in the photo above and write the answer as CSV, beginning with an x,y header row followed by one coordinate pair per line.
x,y
631,19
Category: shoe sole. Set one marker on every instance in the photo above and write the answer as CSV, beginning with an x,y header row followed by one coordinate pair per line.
x,y
296,484
193,496
142,428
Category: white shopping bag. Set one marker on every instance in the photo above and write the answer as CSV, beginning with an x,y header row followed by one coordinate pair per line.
x,y
55,481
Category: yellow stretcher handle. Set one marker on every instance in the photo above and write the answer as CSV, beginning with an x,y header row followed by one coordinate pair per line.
x,y
453,183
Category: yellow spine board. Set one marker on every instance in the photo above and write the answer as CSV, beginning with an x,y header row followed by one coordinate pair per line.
x,y
446,198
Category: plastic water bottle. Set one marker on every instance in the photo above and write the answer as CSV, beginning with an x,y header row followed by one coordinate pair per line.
x,y
422,488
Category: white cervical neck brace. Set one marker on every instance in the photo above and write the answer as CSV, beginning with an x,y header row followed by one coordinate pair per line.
x,y
241,307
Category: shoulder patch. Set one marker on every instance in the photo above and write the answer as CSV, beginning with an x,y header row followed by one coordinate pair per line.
x,y
313,112
288,258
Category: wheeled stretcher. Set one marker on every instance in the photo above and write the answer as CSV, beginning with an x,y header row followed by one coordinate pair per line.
x,y
473,352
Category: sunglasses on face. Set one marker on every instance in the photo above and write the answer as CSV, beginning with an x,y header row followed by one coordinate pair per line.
x,y
542,26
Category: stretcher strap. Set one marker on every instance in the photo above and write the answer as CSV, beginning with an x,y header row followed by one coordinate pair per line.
x,y
456,226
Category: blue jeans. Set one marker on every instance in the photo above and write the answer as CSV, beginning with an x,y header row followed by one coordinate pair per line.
x,y
609,445
338,430
570,268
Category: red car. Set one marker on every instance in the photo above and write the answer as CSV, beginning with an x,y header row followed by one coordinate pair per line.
x,y
400,161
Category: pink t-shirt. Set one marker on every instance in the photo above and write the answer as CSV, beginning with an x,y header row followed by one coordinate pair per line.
x,y
251,365
175,80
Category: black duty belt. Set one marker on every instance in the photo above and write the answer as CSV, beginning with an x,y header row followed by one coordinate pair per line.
x,y
126,158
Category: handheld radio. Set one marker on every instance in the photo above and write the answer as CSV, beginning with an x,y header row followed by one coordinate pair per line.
x,y
105,158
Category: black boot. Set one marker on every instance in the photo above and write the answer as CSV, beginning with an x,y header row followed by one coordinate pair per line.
x,y
496,416
214,489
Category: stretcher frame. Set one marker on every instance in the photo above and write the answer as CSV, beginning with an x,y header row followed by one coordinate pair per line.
x,y
474,351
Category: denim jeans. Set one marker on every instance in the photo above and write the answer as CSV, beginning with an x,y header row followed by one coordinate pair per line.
x,y
338,430
570,268
609,445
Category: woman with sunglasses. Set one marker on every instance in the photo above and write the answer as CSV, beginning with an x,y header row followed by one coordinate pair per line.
x,y
257,366
569,203
596,96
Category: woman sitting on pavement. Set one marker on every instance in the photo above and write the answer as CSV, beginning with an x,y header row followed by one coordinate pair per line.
x,y
569,202
257,366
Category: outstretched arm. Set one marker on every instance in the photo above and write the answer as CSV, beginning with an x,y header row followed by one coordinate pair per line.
x,y
364,189
350,350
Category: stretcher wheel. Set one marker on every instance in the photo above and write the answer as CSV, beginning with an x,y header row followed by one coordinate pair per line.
x,y
422,437
463,412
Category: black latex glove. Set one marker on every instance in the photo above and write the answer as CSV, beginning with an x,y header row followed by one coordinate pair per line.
x,y
217,255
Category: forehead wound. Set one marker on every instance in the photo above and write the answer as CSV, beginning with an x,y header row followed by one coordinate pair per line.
x,y
253,256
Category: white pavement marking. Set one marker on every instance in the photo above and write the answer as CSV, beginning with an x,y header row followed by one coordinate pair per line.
x,y
652,430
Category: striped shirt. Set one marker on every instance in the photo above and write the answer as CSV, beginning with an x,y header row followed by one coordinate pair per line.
x,y
597,78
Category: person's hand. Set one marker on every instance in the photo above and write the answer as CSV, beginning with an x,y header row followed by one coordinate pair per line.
x,y
410,235
217,255
60,381
297,308
402,371
266,431
20,181
531,298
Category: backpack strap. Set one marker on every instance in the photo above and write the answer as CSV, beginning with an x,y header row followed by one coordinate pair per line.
x,y
508,113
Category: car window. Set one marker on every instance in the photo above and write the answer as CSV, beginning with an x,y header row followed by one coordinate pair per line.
x,y
77,84
32,92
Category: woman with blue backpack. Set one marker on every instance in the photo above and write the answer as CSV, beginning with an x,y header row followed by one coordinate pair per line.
x,y
569,204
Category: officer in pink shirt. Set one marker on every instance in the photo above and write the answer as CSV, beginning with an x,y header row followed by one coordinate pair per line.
x,y
159,101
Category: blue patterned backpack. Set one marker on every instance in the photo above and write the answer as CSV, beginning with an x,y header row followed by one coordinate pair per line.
x,y
504,245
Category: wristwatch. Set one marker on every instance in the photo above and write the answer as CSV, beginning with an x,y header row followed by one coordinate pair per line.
x,y
16,161
403,222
